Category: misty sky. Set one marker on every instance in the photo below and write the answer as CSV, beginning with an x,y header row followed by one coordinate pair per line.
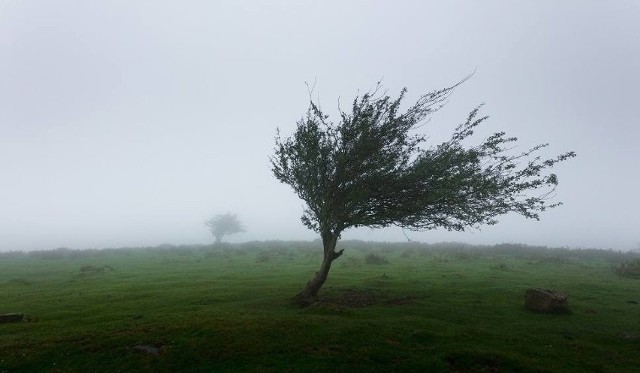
x,y
128,123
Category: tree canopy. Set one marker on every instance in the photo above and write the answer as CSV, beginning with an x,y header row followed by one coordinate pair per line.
x,y
372,169
224,224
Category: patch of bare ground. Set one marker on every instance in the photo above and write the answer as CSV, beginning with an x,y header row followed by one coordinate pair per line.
x,y
356,298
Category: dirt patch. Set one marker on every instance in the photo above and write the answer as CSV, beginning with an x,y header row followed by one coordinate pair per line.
x,y
359,298
355,298
328,306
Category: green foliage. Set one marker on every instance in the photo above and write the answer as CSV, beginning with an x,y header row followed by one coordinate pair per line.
x,y
371,170
629,268
263,256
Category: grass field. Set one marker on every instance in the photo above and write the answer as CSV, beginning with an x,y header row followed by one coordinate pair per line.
x,y
433,308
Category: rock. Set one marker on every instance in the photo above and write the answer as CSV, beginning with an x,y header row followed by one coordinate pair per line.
x,y
544,300
149,349
11,317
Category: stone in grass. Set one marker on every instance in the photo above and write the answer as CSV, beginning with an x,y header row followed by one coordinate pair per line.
x,y
11,317
153,350
545,300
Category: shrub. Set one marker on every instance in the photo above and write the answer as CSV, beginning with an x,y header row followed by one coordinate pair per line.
x,y
91,269
629,268
263,256
375,259
441,259
500,266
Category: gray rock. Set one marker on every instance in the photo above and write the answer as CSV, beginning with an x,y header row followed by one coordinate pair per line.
x,y
545,300
148,349
11,317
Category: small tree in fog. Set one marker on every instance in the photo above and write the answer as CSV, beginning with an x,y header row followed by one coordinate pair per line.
x,y
371,169
224,224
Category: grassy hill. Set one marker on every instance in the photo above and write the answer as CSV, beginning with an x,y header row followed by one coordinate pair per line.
x,y
385,307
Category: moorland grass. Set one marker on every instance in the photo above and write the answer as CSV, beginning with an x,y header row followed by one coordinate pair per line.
x,y
445,307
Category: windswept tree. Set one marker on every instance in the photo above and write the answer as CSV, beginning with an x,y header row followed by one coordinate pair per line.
x,y
372,169
224,224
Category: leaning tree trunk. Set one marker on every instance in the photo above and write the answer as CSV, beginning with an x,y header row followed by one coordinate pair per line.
x,y
310,292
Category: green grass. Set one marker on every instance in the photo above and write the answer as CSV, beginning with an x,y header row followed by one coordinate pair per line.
x,y
431,308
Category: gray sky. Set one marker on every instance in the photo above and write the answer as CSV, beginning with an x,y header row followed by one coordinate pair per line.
x,y
126,123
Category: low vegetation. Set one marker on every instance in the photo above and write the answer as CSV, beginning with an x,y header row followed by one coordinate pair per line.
x,y
629,268
376,259
440,307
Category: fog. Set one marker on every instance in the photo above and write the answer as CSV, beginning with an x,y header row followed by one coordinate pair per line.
x,y
130,123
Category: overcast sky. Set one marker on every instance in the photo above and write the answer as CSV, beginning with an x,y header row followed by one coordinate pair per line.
x,y
128,123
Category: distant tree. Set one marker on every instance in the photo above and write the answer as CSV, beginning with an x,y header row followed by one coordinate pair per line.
x,y
224,224
372,170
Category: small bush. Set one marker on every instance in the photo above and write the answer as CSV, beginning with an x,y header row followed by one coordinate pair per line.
x,y
263,256
500,266
629,268
91,269
441,259
375,259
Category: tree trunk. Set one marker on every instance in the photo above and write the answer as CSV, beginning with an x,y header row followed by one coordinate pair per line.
x,y
310,292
